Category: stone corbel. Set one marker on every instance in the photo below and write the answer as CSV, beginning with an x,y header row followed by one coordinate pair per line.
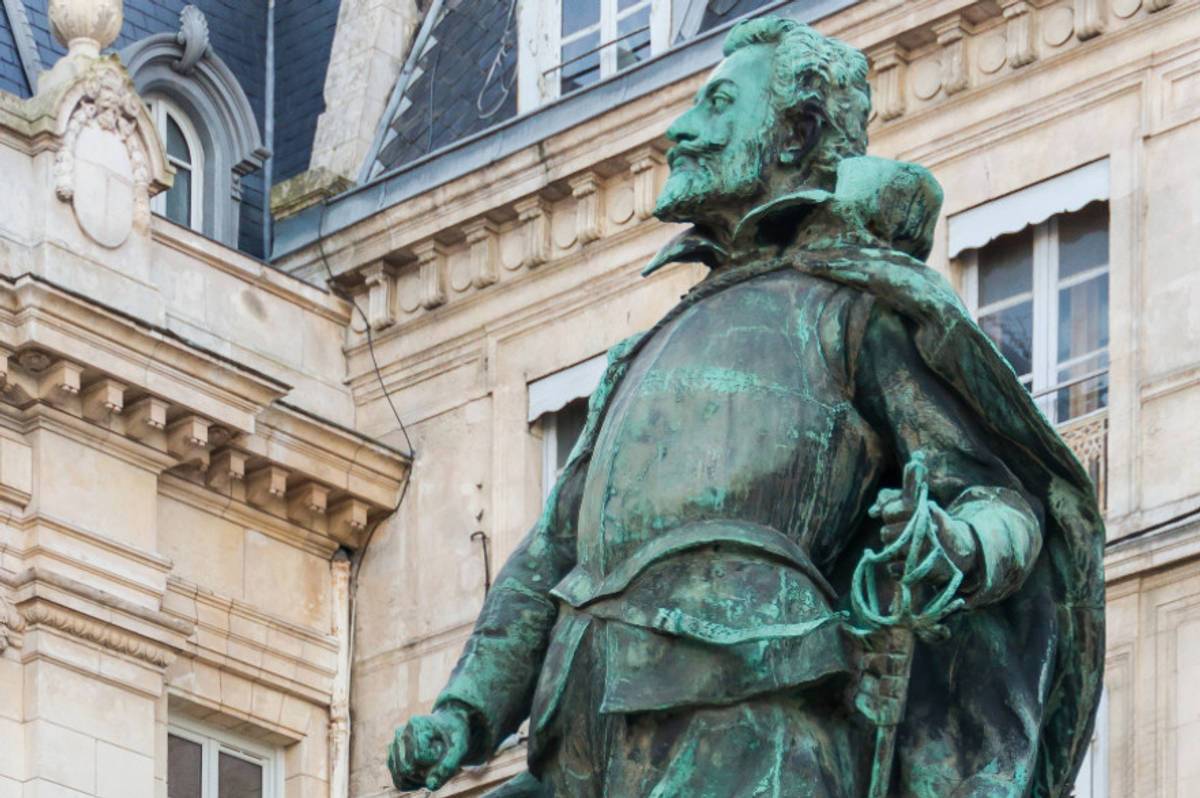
x,y
1089,18
484,252
1019,32
348,519
891,66
644,163
12,624
59,385
103,399
146,421
187,440
431,263
380,280
267,488
952,38
228,467
307,501
534,216
587,191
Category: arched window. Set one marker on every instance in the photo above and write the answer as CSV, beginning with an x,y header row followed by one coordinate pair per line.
x,y
183,203
207,126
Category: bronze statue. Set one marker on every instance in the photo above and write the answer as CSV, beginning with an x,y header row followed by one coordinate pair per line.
x,y
815,539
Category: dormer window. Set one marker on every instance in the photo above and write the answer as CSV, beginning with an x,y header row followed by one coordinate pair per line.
x,y
183,203
570,44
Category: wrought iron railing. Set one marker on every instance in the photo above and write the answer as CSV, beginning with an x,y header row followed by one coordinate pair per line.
x,y
1088,438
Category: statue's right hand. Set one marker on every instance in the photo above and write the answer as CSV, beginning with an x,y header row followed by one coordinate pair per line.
x,y
428,751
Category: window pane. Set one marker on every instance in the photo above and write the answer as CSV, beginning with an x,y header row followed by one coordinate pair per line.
x,y
1083,240
176,144
582,69
624,4
179,197
1012,330
579,14
1006,267
633,34
568,426
1085,396
237,778
1083,318
184,759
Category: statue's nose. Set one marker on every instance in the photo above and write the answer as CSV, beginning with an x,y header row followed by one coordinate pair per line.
x,y
684,128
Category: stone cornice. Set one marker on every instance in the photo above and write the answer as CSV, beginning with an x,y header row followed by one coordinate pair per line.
x,y
155,400
35,312
48,599
42,613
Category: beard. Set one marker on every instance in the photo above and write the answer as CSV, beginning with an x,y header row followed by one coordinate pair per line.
x,y
705,177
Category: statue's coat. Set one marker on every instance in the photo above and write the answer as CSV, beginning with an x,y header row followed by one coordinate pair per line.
x,y
1044,641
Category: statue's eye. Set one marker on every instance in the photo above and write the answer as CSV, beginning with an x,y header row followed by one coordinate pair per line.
x,y
720,101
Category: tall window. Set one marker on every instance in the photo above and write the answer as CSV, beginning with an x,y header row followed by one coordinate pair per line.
x,y
569,44
1042,295
601,37
560,430
206,763
183,203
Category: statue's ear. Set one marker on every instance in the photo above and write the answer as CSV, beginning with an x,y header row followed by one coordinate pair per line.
x,y
805,134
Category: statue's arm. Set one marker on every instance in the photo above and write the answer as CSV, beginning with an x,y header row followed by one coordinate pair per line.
x,y
496,675
993,524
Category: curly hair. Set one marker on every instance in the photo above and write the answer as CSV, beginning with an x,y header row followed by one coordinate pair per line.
x,y
810,71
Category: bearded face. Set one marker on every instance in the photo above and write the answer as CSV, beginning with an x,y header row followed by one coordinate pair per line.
x,y
723,143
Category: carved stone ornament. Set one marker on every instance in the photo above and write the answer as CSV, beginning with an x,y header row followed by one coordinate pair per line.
x,y
11,624
85,26
109,158
193,35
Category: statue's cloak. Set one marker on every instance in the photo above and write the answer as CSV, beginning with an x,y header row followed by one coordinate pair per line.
x,y
873,233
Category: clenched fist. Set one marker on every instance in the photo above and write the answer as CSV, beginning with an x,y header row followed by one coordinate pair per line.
x,y
428,750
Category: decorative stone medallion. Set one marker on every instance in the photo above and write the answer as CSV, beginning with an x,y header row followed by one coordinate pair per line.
x,y
926,78
992,53
102,167
1126,8
1058,25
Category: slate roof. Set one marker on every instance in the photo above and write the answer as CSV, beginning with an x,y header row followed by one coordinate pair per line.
x,y
450,84
12,76
450,95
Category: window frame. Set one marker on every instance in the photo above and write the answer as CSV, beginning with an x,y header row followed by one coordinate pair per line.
x,y
1095,762
1044,368
215,741
539,56
161,107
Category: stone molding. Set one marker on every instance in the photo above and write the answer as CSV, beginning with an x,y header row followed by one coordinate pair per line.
x,y
41,613
237,638
965,52
473,255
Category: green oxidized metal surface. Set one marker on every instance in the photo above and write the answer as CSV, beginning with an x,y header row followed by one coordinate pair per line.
x,y
815,539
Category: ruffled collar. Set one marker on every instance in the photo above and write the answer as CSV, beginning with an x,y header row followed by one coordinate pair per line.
x,y
877,203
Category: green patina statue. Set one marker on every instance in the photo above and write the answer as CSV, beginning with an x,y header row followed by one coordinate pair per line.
x,y
815,539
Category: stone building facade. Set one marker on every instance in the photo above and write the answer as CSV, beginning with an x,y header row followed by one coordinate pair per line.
x,y
216,569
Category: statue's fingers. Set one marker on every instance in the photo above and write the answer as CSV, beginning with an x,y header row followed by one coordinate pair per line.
x,y
423,743
449,764
885,497
406,775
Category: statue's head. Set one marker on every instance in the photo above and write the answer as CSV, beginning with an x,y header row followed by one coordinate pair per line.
x,y
778,114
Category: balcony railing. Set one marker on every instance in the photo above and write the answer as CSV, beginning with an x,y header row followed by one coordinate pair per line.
x,y
1087,435
1088,438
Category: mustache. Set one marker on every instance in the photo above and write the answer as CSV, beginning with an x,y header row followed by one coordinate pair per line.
x,y
694,150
